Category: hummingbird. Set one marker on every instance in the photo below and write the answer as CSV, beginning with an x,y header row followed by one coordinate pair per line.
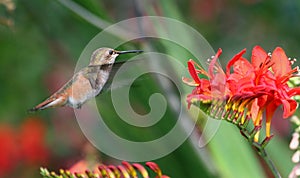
x,y
87,83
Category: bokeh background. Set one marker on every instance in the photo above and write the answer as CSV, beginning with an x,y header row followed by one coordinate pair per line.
x,y
41,41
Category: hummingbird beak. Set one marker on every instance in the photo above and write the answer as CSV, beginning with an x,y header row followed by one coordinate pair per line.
x,y
129,51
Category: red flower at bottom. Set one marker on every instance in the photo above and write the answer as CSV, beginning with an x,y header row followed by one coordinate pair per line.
x,y
33,146
9,154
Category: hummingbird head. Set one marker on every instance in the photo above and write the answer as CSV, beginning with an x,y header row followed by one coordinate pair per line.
x,y
102,56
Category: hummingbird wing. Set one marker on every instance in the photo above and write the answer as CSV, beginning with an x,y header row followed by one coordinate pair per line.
x,y
107,86
92,77
98,76
121,81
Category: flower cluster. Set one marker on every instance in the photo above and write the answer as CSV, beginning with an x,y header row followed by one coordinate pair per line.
x,y
110,171
247,90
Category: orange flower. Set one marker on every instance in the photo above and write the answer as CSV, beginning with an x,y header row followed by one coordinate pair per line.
x,y
252,88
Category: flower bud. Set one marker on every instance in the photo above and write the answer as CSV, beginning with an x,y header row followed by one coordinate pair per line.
x,y
295,141
296,157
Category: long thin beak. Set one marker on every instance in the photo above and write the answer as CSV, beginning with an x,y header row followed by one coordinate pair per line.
x,y
129,51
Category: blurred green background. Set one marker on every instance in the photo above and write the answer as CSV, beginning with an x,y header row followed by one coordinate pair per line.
x,y
41,41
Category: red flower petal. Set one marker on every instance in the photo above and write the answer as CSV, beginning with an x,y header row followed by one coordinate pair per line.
x,y
213,61
243,67
281,64
294,91
192,70
233,60
258,57
289,107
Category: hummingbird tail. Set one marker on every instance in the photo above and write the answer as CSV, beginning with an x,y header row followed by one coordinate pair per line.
x,y
50,102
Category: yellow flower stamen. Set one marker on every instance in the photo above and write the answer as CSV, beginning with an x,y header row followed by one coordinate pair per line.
x,y
256,137
258,118
268,128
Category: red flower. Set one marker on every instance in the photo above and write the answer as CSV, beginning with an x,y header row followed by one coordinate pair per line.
x,y
33,146
259,86
206,89
9,155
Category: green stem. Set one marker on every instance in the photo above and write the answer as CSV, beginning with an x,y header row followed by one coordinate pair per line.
x,y
269,162
260,149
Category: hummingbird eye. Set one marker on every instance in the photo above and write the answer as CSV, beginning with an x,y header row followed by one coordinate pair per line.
x,y
110,52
